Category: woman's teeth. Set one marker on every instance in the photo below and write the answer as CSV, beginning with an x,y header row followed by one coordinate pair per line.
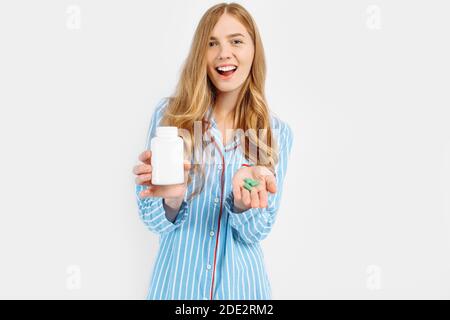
x,y
226,70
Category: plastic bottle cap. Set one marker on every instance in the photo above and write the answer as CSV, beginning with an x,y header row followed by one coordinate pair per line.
x,y
166,131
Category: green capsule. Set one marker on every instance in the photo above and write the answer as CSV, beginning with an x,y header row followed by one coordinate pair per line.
x,y
251,182
247,186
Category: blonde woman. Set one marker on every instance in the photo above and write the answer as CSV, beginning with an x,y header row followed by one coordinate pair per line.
x,y
211,226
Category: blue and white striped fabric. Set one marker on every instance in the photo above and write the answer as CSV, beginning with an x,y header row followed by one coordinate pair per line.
x,y
209,251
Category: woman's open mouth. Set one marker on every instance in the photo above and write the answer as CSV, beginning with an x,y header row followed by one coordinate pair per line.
x,y
226,72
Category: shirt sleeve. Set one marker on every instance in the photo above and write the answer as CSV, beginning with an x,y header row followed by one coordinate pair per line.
x,y
151,209
153,215
254,224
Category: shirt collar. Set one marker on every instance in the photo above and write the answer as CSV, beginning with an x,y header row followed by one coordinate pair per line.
x,y
215,132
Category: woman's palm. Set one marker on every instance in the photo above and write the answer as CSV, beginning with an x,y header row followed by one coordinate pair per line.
x,y
258,196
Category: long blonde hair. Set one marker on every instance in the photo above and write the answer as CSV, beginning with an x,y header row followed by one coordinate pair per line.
x,y
195,92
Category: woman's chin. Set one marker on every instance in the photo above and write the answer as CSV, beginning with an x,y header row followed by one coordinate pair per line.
x,y
227,88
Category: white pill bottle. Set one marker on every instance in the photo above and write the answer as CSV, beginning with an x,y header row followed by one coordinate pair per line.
x,y
167,157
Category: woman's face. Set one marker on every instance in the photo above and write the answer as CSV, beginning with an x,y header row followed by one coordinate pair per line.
x,y
230,45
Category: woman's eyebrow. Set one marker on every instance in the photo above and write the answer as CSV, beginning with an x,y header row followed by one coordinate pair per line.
x,y
229,36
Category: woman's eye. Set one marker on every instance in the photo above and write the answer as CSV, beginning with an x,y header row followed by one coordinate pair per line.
x,y
234,42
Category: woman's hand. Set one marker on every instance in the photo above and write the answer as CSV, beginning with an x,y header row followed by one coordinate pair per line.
x,y
258,196
143,174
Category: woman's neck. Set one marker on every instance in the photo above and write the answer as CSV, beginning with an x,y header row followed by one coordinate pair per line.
x,y
223,114
224,106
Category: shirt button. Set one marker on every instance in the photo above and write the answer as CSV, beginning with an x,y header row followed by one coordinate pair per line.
x,y
219,167
208,267
216,200
211,233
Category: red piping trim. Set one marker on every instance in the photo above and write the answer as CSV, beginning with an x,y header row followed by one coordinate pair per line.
x,y
222,182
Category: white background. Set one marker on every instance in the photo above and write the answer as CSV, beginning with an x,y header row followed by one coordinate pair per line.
x,y
363,84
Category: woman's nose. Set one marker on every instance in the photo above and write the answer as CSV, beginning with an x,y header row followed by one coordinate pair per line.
x,y
225,53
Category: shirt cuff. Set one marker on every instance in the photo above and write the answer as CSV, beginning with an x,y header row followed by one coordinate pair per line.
x,y
238,219
181,215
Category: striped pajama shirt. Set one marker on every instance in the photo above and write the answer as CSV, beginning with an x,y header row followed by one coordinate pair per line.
x,y
209,251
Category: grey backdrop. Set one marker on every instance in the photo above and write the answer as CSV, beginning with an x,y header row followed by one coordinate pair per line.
x,y
363,84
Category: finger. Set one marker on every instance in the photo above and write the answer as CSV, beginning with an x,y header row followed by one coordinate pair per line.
x,y
271,184
187,166
246,197
263,198
237,191
144,194
149,192
159,191
140,179
142,168
146,157
254,198
147,183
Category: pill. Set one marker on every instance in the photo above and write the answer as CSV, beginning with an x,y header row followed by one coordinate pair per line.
x,y
247,186
255,183
251,182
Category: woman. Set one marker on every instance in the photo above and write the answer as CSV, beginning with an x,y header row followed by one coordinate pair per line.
x,y
211,226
